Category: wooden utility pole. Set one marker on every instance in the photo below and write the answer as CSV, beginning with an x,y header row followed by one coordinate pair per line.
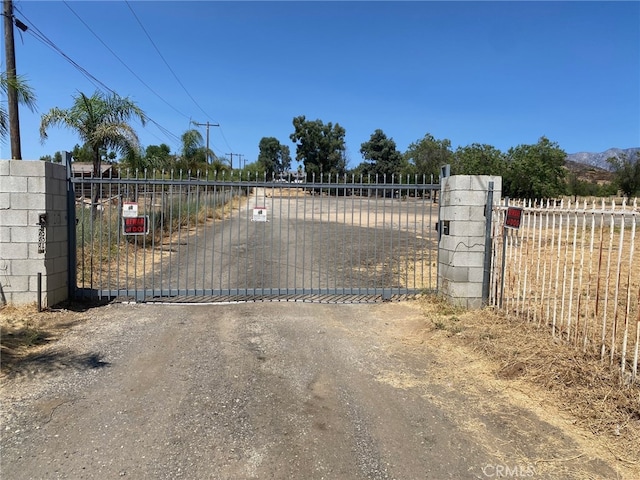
x,y
207,125
12,94
237,155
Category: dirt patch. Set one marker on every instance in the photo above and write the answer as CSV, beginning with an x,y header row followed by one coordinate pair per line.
x,y
481,357
276,192
25,332
490,354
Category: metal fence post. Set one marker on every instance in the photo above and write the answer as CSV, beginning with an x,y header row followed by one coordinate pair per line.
x,y
486,278
504,254
71,230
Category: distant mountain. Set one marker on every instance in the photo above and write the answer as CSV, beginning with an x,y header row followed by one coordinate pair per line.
x,y
599,160
589,173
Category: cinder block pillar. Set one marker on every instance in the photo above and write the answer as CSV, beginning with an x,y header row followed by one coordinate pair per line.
x,y
33,232
462,230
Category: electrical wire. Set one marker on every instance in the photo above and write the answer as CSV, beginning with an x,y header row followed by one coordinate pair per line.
x,y
122,61
36,33
164,60
172,71
225,139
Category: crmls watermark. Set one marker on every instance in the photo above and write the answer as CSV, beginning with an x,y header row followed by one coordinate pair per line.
x,y
506,471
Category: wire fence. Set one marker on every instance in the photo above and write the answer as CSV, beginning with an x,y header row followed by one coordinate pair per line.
x,y
573,268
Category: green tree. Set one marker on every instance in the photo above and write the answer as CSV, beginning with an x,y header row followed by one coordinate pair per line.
x,y
101,121
26,96
253,170
626,174
194,152
428,155
274,157
57,158
133,161
583,188
319,146
158,157
381,156
84,153
535,171
477,159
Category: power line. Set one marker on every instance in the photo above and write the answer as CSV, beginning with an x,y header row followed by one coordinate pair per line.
x,y
231,155
174,74
164,60
225,139
122,62
207,125
36,33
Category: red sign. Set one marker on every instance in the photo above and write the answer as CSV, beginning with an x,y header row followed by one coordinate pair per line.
x,y
514,216
135,225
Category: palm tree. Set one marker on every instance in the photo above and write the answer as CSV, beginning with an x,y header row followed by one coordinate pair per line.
x,y
101,122
194,153
26,96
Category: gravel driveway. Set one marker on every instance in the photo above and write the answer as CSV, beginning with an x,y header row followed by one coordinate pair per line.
x,y
261,390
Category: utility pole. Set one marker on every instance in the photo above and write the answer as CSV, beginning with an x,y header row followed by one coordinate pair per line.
x,y
231,155
12,94
239,155
207,125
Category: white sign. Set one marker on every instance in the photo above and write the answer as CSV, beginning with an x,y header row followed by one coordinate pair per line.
x,y
259,214
129,209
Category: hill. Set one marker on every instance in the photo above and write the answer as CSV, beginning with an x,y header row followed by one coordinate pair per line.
x,y
589,173
599,160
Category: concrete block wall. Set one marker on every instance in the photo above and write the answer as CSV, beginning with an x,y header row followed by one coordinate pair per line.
x,y
461,250
28,189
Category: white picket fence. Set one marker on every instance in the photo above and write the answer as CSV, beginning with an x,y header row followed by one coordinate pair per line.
x,y
572,266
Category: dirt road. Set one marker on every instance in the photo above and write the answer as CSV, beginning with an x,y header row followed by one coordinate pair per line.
x,y
269,390
310,245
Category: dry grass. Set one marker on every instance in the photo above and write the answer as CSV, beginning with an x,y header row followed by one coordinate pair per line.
x,y
592,392
24,331
576,289
110,264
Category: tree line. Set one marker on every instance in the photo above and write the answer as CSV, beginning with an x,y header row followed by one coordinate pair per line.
x,y
528,171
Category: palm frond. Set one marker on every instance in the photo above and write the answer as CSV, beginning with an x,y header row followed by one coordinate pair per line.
x,y
100,120
26,94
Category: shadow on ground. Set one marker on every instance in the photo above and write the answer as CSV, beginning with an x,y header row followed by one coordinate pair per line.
x,y
34,364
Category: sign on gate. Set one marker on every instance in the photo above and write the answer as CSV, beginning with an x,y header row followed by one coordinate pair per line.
x,y
514,216
259,214
135,225
129,209
324,241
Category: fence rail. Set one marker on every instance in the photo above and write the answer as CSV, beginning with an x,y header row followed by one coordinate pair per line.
x,y
573,267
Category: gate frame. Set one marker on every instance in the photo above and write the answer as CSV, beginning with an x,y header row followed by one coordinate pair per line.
x,y
247,294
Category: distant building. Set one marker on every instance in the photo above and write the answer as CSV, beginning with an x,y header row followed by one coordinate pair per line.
x,y
293,176
85,170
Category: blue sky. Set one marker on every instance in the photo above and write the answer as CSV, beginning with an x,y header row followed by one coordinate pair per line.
x,y
499,73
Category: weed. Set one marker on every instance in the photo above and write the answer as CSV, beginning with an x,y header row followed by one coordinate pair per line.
x,y
456,329
484,336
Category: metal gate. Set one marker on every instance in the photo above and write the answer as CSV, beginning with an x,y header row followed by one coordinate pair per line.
x,y
232,239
